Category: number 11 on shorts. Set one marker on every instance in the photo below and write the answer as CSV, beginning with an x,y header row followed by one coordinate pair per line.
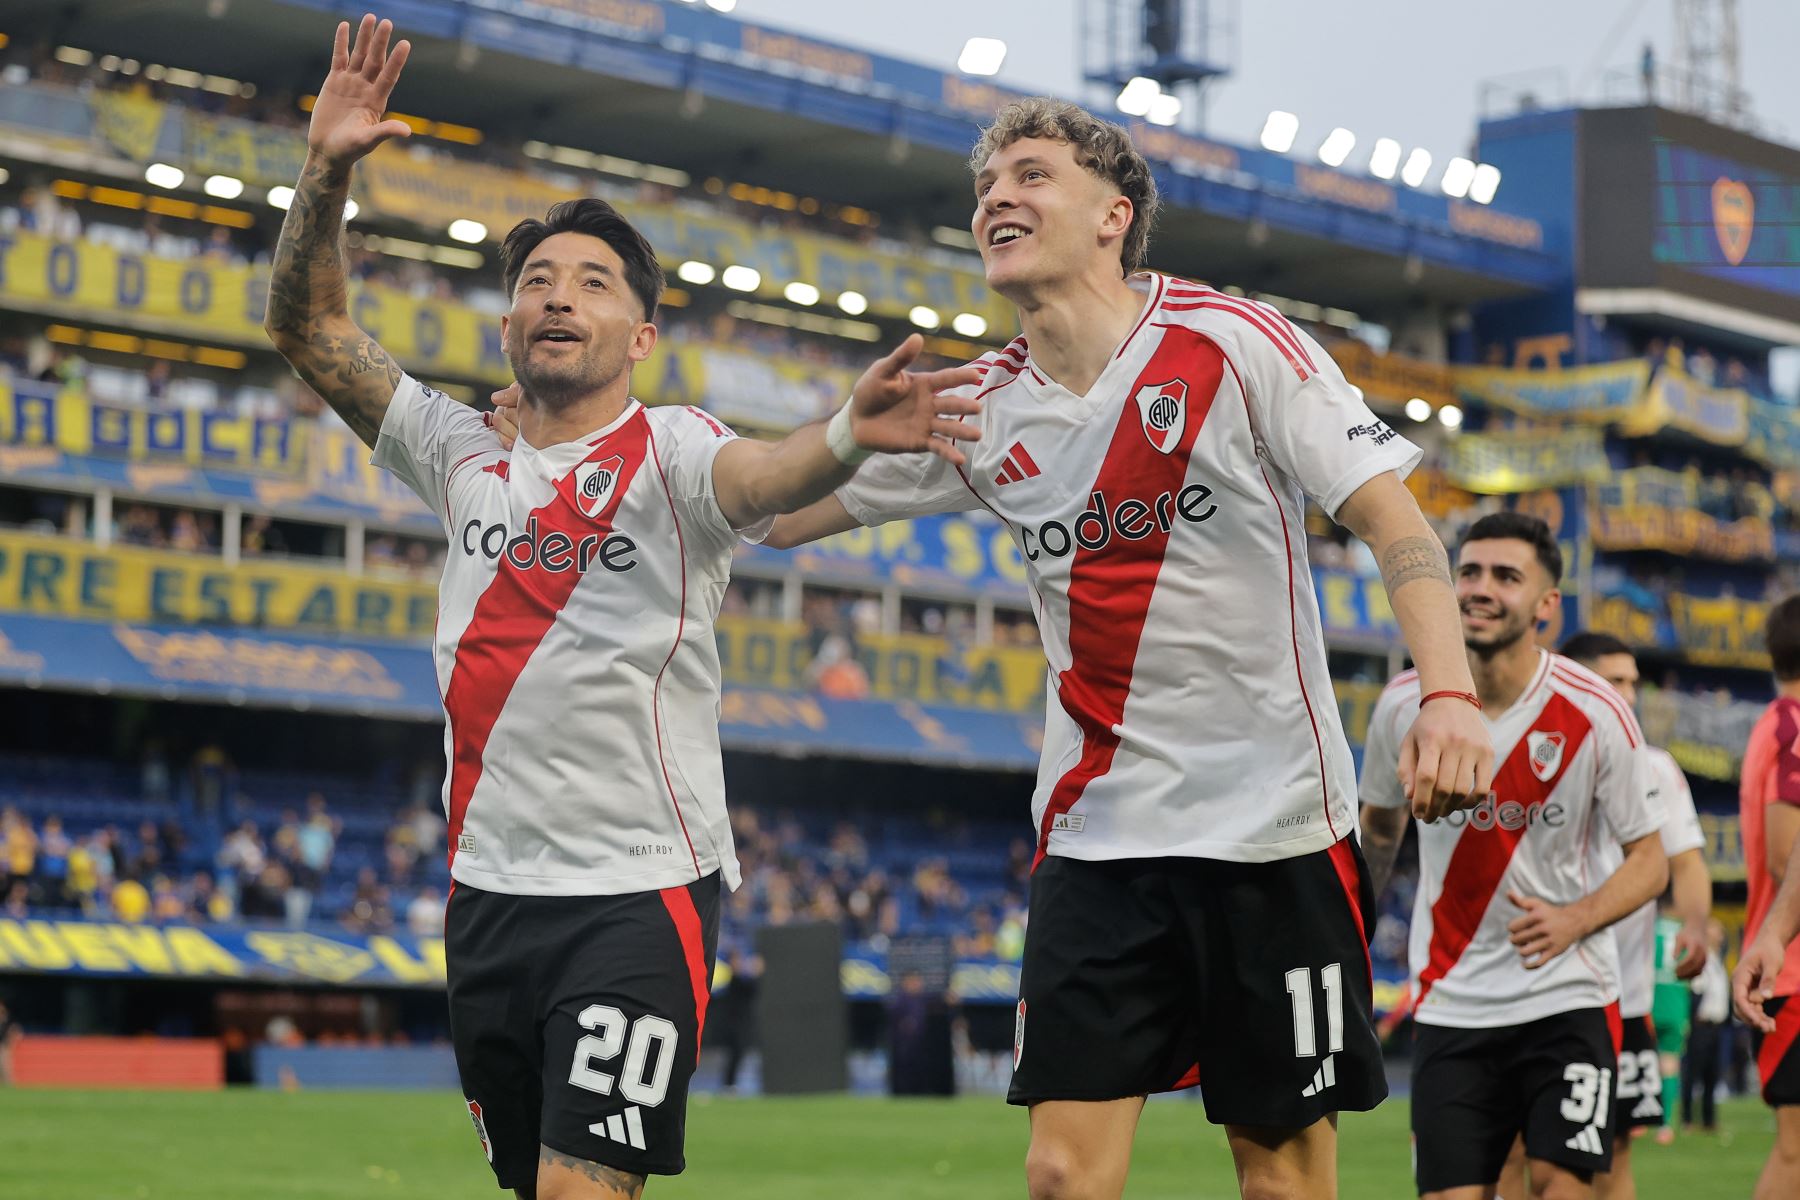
x,y
1300,994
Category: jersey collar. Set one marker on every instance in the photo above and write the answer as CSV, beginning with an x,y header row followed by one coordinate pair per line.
x,y
553,462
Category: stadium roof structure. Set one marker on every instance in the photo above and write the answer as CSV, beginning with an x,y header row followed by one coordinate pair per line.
x,y
688,88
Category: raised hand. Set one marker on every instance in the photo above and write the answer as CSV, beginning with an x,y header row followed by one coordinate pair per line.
x,y
897,411
504,420
346,117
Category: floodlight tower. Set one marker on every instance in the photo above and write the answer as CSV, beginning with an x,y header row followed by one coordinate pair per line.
x,y
1180,45
1707,78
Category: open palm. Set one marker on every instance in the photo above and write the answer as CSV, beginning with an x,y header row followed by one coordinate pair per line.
x,y
346,117
897,411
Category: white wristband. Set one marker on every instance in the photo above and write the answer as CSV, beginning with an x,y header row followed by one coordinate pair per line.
x,y
840,441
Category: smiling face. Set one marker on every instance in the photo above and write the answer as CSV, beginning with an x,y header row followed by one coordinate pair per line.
x,y
575,326
1042,218
1504,593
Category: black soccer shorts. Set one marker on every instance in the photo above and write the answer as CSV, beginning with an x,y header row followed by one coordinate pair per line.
x,y
1639,1094
1250,979
1778,1056
1475,1090
576,1022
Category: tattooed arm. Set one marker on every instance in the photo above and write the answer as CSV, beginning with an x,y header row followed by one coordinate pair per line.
x,y
1446,758
308,316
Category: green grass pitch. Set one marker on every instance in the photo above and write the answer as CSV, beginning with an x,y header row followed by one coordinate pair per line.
x,y
240,1145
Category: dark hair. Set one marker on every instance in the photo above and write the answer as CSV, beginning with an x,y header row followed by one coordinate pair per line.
x,y
1782,634
596,218
1100,146
1526,528
1590,646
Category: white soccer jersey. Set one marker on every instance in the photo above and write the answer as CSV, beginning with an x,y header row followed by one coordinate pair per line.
x,y
574,646
1161,519
1673,803
1570,772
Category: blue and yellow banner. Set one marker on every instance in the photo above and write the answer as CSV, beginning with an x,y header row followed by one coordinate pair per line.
x,y
1681,531
970,552
1676,400
1720,630
1601,394
1526,460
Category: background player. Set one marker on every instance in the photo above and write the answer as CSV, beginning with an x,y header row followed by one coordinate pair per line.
x,y
575,652
1150,444
1515,976
1768,975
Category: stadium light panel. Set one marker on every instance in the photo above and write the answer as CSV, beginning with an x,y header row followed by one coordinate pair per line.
x,y
1418,165
924,318
1450,416
1485,184
1418,409
163,175
1457,176
1386,158
1135,97
1279,131
471,232
1164,110
75,56
4,175
281,197
223,187
721,5
981,56
1337,147
741,278
970,324
854,303
801,293
351,208
957,239
695,272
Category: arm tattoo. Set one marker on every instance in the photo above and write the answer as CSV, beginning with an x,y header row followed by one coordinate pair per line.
x,y
308,315
1411,558
619,1183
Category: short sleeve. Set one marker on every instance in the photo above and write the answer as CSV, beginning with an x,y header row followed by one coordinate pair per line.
x,y
1380,784
688,442
426,435
1309,421
1681,830
1787,755
890,487
1623,778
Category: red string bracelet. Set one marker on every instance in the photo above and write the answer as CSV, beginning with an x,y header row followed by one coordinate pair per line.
x,y
1471,697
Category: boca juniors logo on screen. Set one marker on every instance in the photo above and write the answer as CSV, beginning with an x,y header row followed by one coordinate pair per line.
x,y
1163,407
594,484
1734,218
1546,751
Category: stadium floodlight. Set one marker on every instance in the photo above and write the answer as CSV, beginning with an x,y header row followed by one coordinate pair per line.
x,y
981,56
465,230
351,208
5,174
225,187
924,318
1164,109
721,5
801,293
1279,131
163,175
854,303
281,197
695,272
1458,174
1451,416
1386,158
1136,96
1337,147
741,278
1418,409
1418,165
1485,184
969,324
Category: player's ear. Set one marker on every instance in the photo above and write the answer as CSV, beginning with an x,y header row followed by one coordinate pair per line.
x,y
643,341
1115,222
505,323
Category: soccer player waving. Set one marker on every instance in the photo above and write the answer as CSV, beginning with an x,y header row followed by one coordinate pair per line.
x,y
1515,972
1199,911
574,648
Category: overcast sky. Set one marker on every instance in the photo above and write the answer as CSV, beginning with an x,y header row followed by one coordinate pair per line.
x,y
1408,69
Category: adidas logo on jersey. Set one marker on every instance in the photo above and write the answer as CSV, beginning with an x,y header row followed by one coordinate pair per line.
x,y
555,551
1133,520
626,1128
1018,466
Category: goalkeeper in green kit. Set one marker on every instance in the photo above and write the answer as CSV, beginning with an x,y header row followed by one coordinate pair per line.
x,y
1671,1012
